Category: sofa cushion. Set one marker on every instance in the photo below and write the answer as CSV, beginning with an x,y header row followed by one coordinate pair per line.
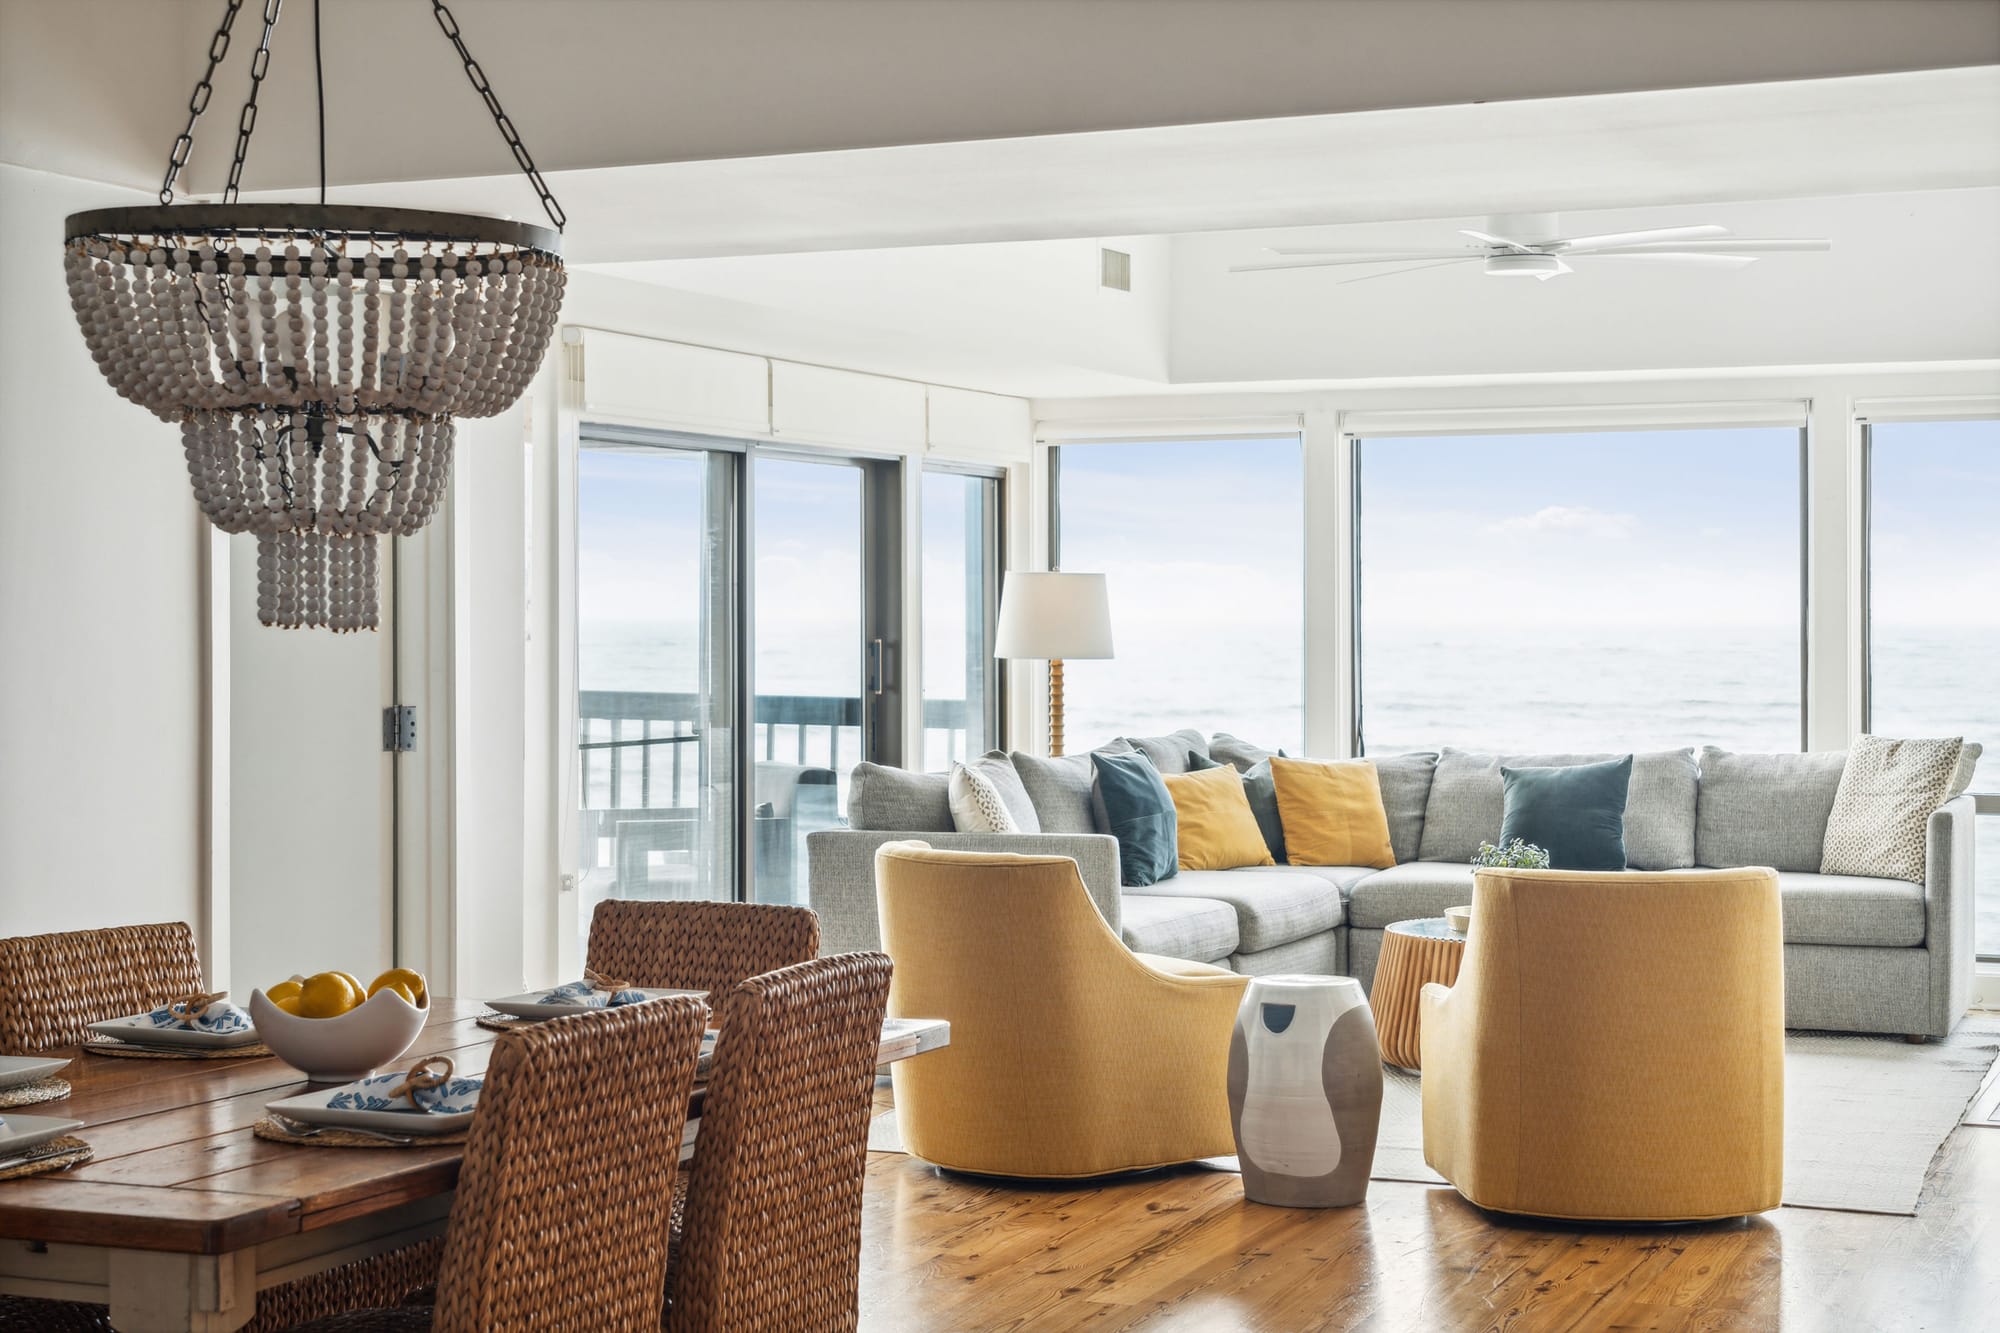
x,y
976,804
998,769
1765,809
1169,753
896,800
1274,904
1466,804
1203,929
1130,802
1406,787
1059,789
1216,828
1851,909
1332,812
1240,754
1882,812
1409,891
1575,813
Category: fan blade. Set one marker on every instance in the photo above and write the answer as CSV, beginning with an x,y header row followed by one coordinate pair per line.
x,y
1414,268
1488,238
1651,235
1733,245
1455,256
1691,258
1560,269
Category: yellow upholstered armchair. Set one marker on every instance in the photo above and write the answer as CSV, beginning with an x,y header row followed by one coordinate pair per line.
x,y
1614,1047
1070,1055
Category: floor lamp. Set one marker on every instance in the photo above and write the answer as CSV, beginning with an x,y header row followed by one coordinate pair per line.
x,y
1049,617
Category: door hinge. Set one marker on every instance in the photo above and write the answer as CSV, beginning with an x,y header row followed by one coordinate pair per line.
x,y
399,728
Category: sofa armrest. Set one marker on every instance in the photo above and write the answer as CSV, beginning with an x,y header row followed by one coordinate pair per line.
x,y
1949,894
841,874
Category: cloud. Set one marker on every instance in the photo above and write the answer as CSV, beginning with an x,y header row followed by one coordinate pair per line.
x,y
1579,519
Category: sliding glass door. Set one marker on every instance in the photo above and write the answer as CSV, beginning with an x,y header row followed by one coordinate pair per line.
x,y
961,582
738,625
811,646
657,678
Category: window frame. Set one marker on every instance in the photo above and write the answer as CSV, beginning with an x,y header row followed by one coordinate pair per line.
x,y
993,484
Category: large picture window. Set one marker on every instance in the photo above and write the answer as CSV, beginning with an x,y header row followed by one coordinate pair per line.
x,y
1203,547
1934,607
961,582
1580,591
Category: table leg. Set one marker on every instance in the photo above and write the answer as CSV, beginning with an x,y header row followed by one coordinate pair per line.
x,y
181,1293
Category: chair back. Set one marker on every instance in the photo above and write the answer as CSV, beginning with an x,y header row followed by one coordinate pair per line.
x,y
53,987
561,1218
1635,1024
771,1241
697,945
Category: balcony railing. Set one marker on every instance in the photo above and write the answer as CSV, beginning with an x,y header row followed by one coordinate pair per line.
x,y
642,750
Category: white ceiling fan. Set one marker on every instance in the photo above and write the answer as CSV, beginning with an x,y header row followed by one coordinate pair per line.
x,y
1530,245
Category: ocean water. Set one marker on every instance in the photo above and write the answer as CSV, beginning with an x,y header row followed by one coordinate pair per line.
x,y
1734,687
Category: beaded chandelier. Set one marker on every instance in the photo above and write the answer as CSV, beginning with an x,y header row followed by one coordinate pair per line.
x,y
315,356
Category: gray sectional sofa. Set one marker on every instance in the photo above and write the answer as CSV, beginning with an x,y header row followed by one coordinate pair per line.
x,y
1861,955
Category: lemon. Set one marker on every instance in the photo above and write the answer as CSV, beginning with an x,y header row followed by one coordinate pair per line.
x,y
328,995
406,982
285,990
360,991
290,1004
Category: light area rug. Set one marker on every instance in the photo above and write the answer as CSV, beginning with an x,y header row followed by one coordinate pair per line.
x,y
1864,1116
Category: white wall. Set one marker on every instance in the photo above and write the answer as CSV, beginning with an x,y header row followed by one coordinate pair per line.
x,y
101,611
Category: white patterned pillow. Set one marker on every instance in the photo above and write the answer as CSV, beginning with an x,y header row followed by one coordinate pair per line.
x,y
1882,811
976,803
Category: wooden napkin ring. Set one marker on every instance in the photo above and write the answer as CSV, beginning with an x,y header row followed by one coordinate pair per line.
x,y
598,982
433,1071
192,1007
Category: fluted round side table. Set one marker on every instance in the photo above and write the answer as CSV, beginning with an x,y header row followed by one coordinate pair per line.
x,y
1414,953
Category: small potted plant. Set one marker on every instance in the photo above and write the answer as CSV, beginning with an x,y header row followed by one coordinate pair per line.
x,y
1517,854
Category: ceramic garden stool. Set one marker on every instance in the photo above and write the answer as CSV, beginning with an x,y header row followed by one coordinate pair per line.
x,y
1305,1091
1414,954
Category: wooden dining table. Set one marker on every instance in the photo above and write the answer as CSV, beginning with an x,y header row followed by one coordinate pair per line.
x,y
183,1215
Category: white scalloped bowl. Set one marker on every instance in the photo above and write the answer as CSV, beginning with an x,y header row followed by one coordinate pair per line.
x,y
1460,918
340,1050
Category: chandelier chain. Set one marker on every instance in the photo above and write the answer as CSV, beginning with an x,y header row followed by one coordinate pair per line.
x,y
449,24
218,47
247,124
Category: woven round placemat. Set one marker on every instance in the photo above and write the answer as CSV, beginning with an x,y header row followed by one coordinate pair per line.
x,y
309,1136
506,1022
132,1051
34,1094
55,1155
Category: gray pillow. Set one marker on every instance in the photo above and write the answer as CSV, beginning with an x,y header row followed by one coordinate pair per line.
x,y
895,800
1262,790
1406,788
1227,749
1169,753
1968,768
997,767
1467,803
1765,809
1059,789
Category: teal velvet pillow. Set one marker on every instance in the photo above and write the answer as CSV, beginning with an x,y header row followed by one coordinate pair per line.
x,y
1132,805
1262,790
1575,814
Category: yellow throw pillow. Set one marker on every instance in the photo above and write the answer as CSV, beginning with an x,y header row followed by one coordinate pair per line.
x,y
1217,829
1332,812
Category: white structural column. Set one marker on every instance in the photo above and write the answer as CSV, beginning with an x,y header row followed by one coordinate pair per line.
x,y
1330,580
1833,547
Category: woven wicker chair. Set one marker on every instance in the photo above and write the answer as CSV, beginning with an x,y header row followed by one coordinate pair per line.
x,y
698,945
771,1237
561,1219
52,988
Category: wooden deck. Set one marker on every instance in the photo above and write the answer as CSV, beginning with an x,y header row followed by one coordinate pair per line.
x,y
1180,1252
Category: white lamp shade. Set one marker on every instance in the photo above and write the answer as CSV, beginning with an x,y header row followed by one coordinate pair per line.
x,y
1054,615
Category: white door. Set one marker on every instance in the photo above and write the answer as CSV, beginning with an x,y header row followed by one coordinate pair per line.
x,y
312,831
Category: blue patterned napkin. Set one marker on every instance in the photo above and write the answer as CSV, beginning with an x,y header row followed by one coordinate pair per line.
x,y
201,1013
586,996
428,1086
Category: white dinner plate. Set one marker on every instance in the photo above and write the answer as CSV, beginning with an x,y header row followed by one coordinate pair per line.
x,y
311,1108
139,1031
18,1069
530,1005
22,1132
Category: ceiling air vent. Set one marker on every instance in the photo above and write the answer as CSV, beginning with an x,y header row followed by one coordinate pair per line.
x,y
1115,267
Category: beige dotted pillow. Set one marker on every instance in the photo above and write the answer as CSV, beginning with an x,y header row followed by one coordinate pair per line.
x,y
1882,810
976,804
